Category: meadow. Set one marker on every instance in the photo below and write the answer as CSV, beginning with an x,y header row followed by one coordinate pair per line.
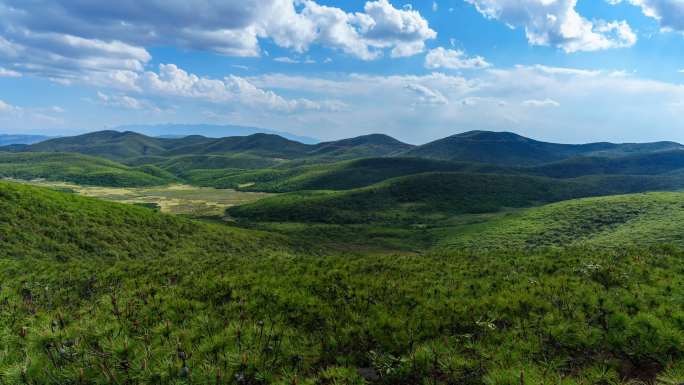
x,y
199,202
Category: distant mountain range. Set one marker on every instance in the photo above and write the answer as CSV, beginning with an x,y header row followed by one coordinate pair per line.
x,y
496,148
9,139
126,146
505,148
208,130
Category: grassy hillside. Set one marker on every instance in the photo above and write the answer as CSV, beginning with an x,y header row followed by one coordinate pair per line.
x,y
505,148
94,292
426,197
80,169
345,175
107,144
365,146
608,222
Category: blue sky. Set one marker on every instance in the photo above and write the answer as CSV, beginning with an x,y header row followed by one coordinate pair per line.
x,y
558,70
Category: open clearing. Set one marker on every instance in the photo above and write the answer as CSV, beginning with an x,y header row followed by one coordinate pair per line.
x,y
175,199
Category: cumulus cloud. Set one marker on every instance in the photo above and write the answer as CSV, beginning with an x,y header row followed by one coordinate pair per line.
x,y
557,23
62,39
452,59
173,82
668,13
405,31
555,103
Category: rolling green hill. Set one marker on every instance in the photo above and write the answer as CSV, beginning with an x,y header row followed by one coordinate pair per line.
x,y
80,169
374,145
429,196
508,149
134,147
608,222
96,292
106,144
342,175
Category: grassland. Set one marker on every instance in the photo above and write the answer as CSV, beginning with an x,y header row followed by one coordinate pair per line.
x,y
606,222
370,271
99,292
174,199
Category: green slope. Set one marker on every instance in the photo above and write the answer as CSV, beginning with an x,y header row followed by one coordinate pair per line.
x,y
614,221
80,169
429,196
95,292
342,175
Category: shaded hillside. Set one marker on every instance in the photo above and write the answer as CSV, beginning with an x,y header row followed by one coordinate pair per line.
x,y
505,148
80,169
415,198
265,145
642,164
374,145
342,175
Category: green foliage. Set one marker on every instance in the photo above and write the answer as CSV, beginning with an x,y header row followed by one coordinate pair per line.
x,y
80,169
426,197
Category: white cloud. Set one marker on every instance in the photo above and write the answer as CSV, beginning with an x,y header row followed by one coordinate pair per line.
x,y
6,107
557,23
541,103
174,82
405,31
285,59
22,117
70,41
452,59
435,6
5,73
426,95
125,102
668,13
562,104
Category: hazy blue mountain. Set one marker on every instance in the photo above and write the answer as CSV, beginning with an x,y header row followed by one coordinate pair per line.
x,y
8,139
209,130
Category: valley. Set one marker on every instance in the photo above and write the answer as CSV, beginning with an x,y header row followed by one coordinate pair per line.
x,y
259,260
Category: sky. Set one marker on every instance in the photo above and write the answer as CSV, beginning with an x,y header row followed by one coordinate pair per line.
x,y
569,71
